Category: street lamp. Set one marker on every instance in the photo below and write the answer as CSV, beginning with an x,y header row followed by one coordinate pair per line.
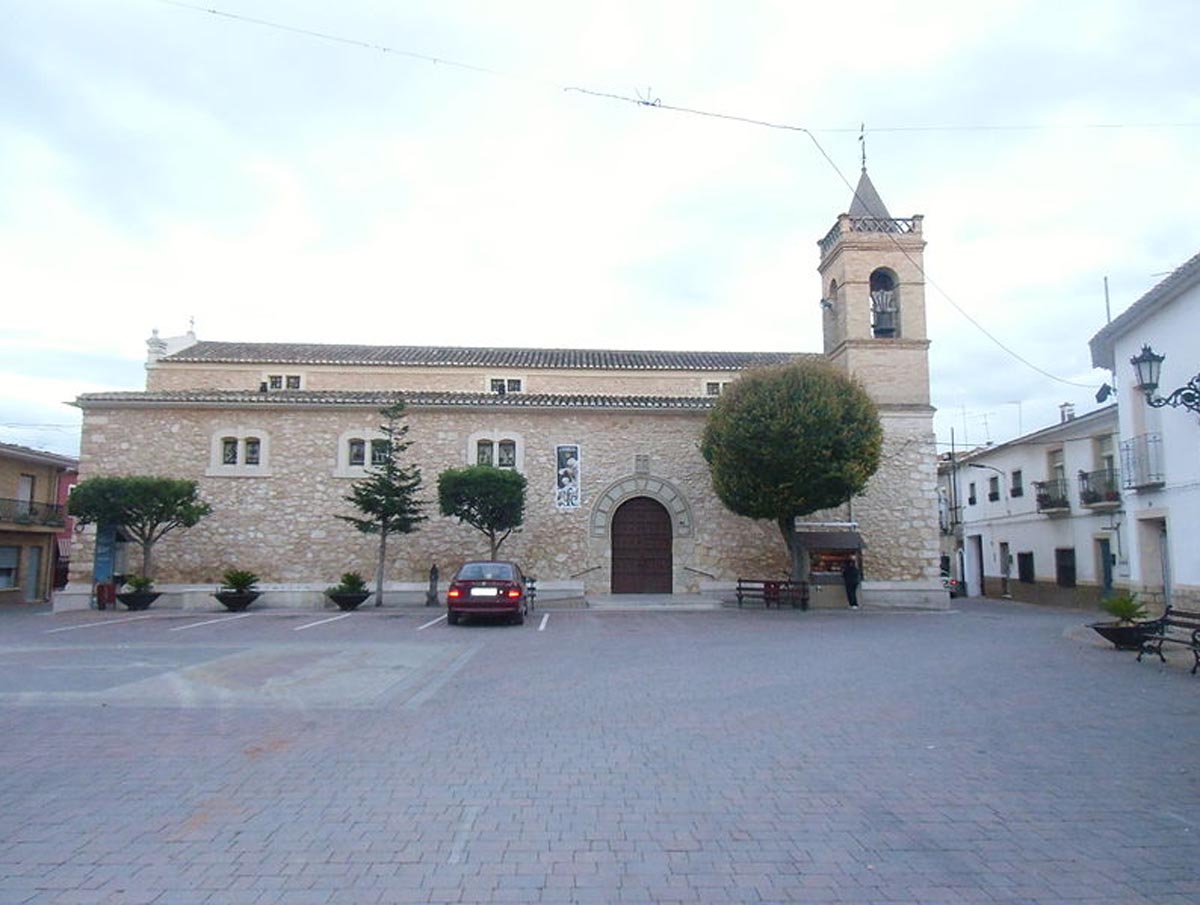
x,y
1148,366
992,468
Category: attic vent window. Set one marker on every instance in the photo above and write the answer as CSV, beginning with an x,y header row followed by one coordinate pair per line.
x,y
276,382
502,385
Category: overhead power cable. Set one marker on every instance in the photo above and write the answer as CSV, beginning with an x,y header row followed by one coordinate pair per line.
x,y
657,103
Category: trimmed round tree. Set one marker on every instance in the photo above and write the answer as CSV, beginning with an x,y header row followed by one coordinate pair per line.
x,y
146,507
489,499
789,441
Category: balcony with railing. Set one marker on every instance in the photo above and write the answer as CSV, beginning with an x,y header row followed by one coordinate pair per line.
x,y
1053,497
25,513
1142,462
1100,489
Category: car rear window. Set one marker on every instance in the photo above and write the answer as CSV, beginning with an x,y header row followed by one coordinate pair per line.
x,y
486,571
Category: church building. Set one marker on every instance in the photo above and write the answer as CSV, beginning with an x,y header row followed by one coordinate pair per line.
x,y
619,498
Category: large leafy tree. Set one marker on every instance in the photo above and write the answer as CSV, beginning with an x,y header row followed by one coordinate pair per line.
x,y
789,441
489,499
145,507
387,496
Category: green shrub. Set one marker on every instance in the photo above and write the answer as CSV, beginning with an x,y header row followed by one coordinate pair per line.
x,y
238,580
351,583
1124,607
139,584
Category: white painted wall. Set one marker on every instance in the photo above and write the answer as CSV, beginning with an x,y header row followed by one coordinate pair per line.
x,y
1172,331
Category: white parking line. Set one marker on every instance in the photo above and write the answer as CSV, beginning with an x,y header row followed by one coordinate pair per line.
x,y
301,628
421,628
71,628
180,628
545,619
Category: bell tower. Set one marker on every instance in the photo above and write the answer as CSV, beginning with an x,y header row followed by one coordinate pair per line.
x,y
873,299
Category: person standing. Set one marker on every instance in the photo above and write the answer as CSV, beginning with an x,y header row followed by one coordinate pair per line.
x,y
850,578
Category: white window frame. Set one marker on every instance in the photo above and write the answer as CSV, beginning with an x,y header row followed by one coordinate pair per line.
x,y
707,385
239,434
496,437
367,435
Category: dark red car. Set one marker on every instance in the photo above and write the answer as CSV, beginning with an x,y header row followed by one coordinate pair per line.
x,y
496,589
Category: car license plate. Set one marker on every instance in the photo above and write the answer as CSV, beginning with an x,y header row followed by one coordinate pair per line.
x,y
483,592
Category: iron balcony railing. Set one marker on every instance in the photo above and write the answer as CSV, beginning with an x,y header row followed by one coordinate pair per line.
x,y
1100,489
1141,461
25,512
1052,496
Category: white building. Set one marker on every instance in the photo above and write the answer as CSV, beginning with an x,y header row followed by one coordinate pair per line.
x,y
1160,444
1040,516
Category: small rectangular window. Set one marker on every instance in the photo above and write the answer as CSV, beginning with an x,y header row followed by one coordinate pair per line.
x,y
379,452
275,381
253,450
1025,568
993,489
513,385
293,381
712,388
971,494
358,452
10,561
1018,484
483,452
498,385
229,451
507,457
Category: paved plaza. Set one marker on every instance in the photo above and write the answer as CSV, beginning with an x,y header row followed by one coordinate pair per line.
x,y
994,753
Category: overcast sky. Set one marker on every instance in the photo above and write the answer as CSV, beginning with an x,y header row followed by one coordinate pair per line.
x,y
160,163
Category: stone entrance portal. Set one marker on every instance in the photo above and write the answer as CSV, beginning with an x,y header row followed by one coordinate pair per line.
x,y
641,548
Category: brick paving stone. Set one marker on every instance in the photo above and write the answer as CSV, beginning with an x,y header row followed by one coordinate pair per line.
x,y
987,755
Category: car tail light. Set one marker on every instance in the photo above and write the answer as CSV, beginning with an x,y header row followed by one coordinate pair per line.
x,y
454,592
513,592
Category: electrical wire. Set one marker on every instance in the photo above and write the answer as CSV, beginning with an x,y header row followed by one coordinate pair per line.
x,y
657,103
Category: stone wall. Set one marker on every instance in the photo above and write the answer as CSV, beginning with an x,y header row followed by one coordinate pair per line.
x,y
285,527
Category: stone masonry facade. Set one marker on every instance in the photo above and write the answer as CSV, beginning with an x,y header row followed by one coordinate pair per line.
x,y
636,418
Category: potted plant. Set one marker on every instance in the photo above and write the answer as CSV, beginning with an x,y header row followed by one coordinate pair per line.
x,y
141,593
349,592
237,589
1127,631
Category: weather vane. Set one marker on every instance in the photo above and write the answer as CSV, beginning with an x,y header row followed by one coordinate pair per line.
x,y
862,140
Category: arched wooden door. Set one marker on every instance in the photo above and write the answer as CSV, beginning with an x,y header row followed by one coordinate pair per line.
x,y
641,548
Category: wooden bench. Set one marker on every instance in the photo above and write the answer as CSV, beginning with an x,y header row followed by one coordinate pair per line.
x,y
773,592
1175,627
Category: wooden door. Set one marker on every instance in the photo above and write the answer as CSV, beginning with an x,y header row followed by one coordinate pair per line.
x,y
641,548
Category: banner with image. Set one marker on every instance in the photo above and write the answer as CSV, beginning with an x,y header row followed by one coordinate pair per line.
x,y
566,492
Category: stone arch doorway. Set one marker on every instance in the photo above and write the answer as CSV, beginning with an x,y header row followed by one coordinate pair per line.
x,y
641,547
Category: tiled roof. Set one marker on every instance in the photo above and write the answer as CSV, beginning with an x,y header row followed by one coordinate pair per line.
x,y
26,454
383,398
466,357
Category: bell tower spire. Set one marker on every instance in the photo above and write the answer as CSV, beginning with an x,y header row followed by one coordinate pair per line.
x,y
873,296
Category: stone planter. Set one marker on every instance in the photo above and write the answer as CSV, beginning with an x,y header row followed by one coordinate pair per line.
x,y
1123,635
138,600
347,600
237,600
